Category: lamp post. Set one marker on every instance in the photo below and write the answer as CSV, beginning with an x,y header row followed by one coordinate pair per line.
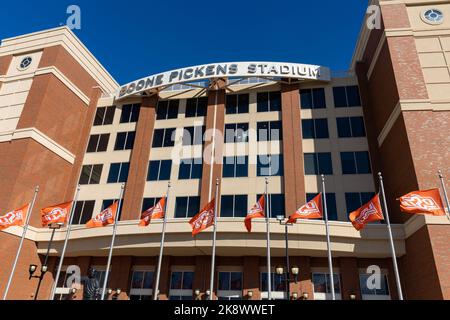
x,y
44,267
283,222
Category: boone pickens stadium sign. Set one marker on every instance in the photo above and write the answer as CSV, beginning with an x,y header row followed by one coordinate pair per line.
x,y
231,69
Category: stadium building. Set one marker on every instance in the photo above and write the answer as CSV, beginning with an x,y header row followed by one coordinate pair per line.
x,y
65,121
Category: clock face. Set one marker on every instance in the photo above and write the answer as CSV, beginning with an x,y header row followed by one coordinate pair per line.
x,y
433,16
25,63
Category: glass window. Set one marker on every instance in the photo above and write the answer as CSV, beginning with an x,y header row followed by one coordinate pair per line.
x,y
90,174
118,172
163,138
270,165
353,97
351,127
125,141
340,97
346,97
230,281
104,116
196,107
236,132
83,212
190,169
358,127
234,206
318,163
322,285
270,131
382,291
348,163
159,170
363,162
278,282
167,109
269,101
235,167
344,128
193,135
187,207
237,104
315,129
182,280
308,129
141,285
98,143
130,113
313,98
356,162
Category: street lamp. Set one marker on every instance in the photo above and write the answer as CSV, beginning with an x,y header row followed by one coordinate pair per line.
x,y
282,221
32,269
295,271
295,296
250,294
305,296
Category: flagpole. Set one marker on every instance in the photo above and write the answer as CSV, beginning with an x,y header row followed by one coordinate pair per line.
x,y
330,258
391,239
161,249
112,243
25,229
66,241
213,257
269,268
441,177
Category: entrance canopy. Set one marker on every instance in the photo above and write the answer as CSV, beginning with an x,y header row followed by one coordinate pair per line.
x,y
191,76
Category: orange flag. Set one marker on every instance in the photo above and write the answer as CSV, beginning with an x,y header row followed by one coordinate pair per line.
x,y
156,212
256,212
55,214
423,202
14,218
204,219
311,210
106,217
368,213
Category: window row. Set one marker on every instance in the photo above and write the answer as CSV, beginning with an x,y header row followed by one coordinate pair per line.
x,y
344,96
233,167
234,133
347,127
230,285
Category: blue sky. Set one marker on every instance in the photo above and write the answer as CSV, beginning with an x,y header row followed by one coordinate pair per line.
x,y
133,39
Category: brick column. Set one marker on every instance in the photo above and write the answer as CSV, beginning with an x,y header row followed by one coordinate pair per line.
x,y
350,278
5,61
84,263
121,276
294,178
306,285
140,156
215,96
164,283
251,277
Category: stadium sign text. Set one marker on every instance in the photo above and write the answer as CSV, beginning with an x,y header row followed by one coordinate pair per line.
x,y
225,70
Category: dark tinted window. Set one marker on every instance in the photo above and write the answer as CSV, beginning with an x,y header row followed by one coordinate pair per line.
x,y
234,206
98,143
270,165
340,97
353,97
313,98
315,129
237,104
318,163
104,116
130,113
83,212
